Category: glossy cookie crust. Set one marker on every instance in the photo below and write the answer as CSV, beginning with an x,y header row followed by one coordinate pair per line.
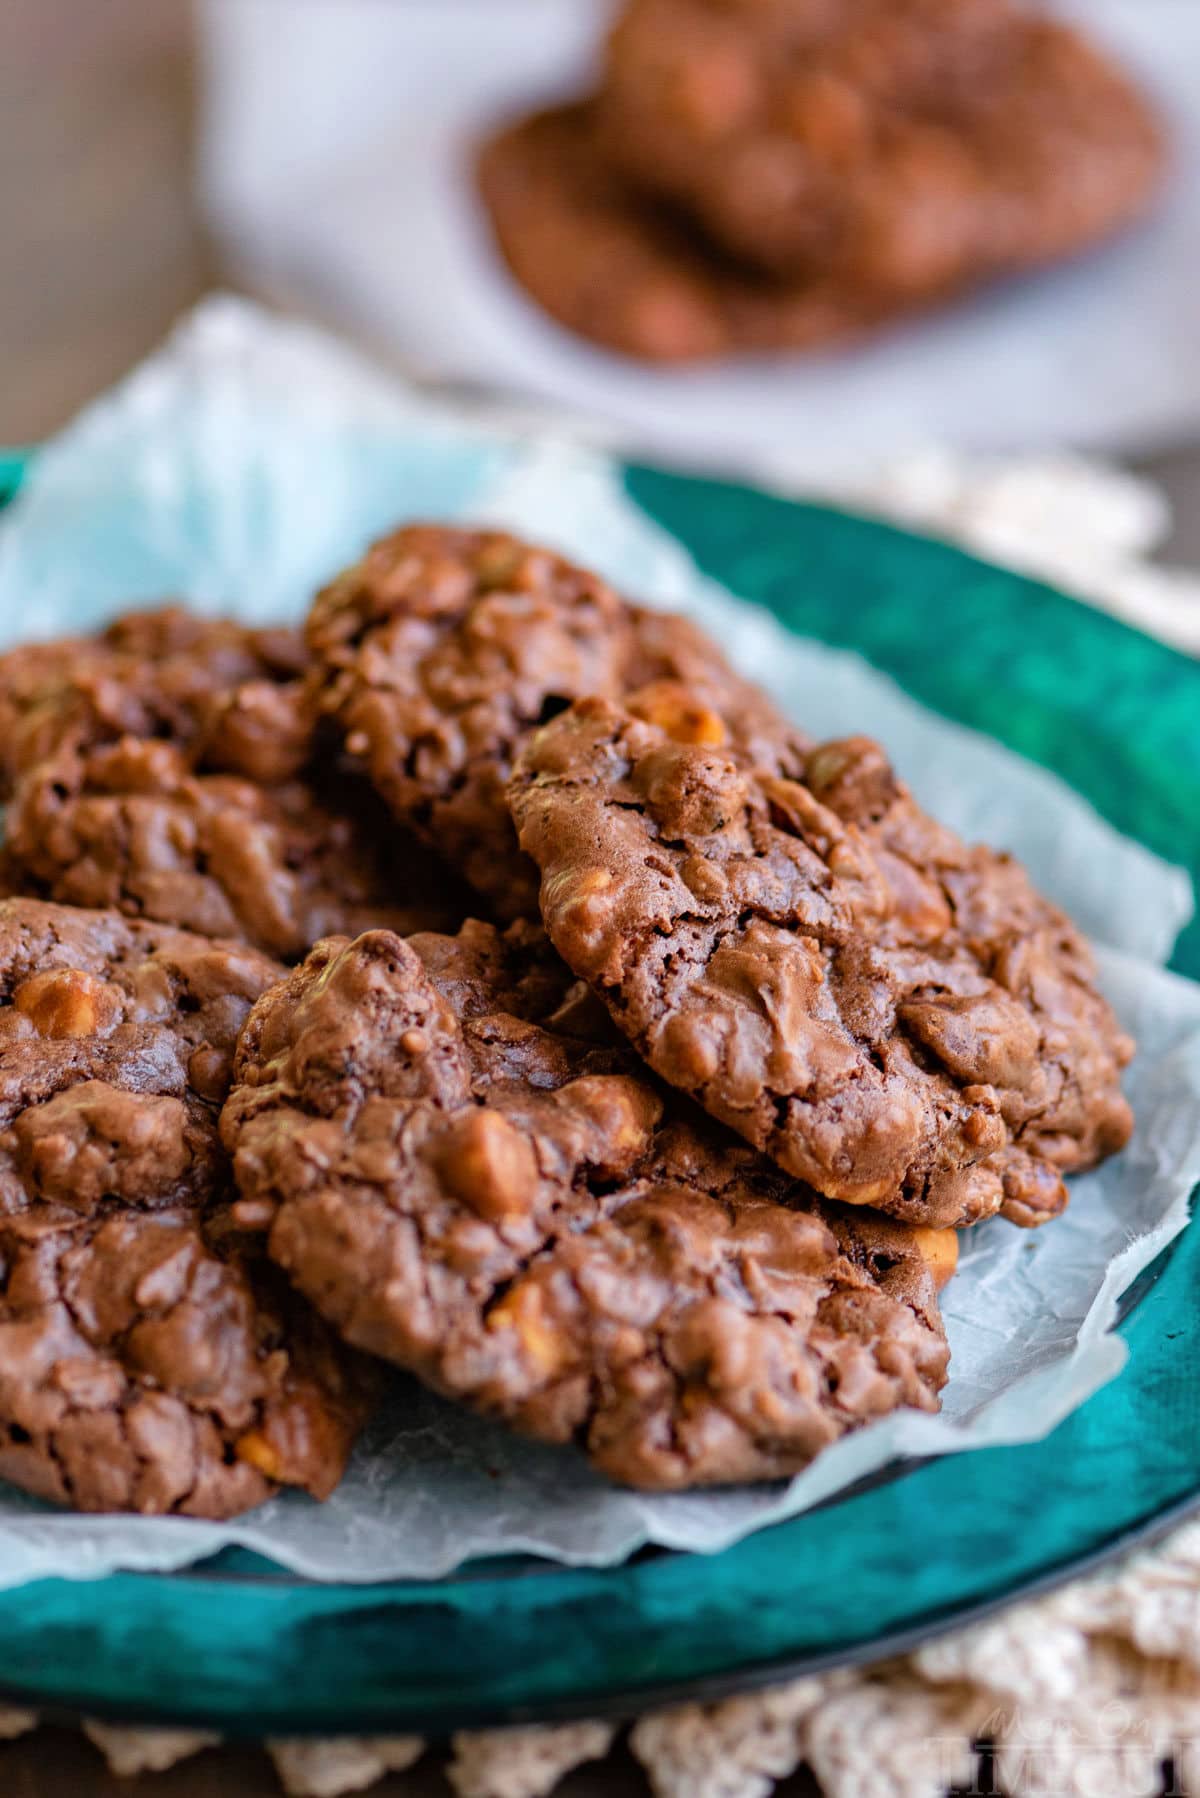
x,y
469,1174
893,1017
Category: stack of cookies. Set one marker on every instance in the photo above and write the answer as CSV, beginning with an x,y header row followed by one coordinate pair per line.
x,y
487,981
761,175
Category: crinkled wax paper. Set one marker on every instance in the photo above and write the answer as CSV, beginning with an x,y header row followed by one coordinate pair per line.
x,y
238,469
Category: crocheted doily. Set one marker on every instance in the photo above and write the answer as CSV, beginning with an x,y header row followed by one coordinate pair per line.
x,y
1089,1693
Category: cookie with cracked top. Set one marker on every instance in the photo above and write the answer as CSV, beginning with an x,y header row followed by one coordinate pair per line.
x,y
469,1177
174,768
165,673
906,148
893,1017
136,826
150,1358
148,1364
442,648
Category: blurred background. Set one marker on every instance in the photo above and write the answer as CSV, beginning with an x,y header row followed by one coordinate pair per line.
x,y
314,152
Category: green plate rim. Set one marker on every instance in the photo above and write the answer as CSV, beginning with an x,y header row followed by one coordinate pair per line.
x,y
870,1574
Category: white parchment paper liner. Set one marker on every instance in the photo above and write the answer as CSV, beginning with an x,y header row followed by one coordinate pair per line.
x,y
237,469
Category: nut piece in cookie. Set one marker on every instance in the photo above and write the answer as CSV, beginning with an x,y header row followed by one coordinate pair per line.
x,y
899,1020
467,1176
443,648
150,1359
904,147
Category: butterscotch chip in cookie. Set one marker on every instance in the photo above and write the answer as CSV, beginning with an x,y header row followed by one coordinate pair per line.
x,y
897,1019
467,1178
903,147
163,673
150,1358
443,648
635,276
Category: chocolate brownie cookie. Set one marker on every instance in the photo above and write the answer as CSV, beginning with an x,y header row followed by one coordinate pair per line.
x,y
134,825
164,673
896,1019
633,274
150,1359
463,1183
148,1365
442,648
907,147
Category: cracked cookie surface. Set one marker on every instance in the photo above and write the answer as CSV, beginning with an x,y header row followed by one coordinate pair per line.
x,y
443,648
893,1017
905,148
165,673
135,826
150,1358
470,1175
174,768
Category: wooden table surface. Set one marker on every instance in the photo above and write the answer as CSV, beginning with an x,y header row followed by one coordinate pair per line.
x,y
102,250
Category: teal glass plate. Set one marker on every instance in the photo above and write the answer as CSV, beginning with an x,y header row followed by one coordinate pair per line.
x,y
241,1647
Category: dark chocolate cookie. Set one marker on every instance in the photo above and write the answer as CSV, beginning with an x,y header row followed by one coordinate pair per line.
x,y
632,274
904,147
470,1179
895,1018
148,1365
164,673
150,1359
442,648
134,825
176,768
